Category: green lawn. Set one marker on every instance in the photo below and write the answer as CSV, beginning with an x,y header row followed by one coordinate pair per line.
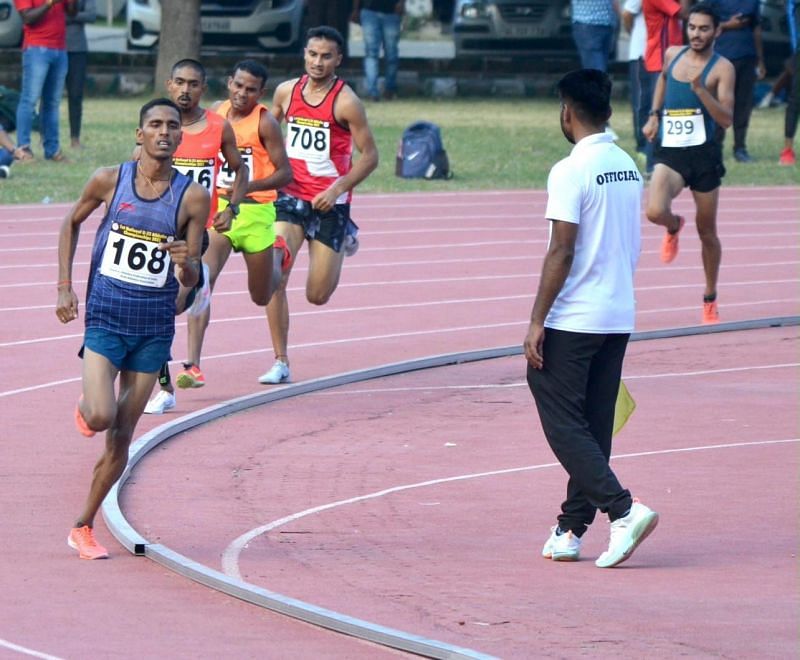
x,y
504,143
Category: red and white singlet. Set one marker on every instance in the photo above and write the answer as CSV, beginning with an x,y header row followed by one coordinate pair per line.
x,y
320,149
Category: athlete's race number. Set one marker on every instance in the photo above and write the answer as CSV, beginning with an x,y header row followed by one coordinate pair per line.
x,y
202,175
309,143
134,261
680,127
308,138
683,128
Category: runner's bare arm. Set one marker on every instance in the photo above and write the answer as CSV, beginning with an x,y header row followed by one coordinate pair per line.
x,y
650,129
270,133
280,100
98,190
722,79
185,252
223,219
234,159
349,111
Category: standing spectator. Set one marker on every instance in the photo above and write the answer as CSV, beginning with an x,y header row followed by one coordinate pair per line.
x,y
664,26
77,55
582,319
787,156
380,21
593,24
44,67
335,13
740,43
633,22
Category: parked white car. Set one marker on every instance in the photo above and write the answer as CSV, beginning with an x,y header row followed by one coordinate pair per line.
x,y
10,25
269,24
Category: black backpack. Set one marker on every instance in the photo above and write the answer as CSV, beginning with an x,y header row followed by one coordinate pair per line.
x,y
9,100
421,154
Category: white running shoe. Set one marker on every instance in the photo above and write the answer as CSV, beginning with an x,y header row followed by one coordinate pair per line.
x,y
202,297
160,403
279,373
562,547
627,533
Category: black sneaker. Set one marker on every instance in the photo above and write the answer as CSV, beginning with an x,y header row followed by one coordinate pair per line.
x,y
741,156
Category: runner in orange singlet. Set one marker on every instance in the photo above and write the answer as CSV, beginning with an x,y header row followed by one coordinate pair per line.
x,y
206,139
260,147
324,119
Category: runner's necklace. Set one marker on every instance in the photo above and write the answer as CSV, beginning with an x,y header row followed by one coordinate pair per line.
x,y
194,121
153,187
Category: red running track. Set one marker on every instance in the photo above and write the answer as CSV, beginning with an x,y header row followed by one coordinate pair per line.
x,y
435,274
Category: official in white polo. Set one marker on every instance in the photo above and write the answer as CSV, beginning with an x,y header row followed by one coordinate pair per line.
x,y
582,318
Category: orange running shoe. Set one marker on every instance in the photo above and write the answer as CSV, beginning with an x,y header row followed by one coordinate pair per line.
x,y
82,540
280,244
190,378
710,312
669,246
80,422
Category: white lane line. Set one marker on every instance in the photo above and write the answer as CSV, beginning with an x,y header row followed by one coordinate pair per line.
x,y
26,651
463,222
346,391
398,306
231,554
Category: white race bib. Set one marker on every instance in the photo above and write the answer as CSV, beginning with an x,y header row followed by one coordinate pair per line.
x,y
200,170
226,175
683,128
131,255
308,139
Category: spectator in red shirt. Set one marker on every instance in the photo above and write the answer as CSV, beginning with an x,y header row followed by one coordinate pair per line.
x,y
44,68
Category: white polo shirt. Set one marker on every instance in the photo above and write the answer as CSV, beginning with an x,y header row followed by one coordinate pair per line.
x,y
599,188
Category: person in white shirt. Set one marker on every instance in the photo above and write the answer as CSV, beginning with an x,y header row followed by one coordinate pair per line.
x,y
633,22
582,319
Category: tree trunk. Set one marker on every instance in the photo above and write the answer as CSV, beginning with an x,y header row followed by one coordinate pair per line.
x,y
180,37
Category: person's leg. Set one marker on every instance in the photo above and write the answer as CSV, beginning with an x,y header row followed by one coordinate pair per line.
x,y
665,186
76,81
371,28
635,95
391,50
259,275
594,44
324,269
743,101
706,219
560,392
98,404
792,106
219,249
34,72
278,306
648,81
134,388
52,92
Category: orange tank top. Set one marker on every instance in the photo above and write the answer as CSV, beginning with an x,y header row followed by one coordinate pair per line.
x,y
252,151
198,157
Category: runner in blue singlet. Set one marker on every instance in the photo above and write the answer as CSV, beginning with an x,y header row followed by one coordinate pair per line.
x,y
693,95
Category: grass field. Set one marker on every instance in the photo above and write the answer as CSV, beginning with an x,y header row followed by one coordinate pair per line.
x,y
497,144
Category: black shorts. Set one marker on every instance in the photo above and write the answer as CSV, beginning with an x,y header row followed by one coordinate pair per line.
x,y
701,167
329,228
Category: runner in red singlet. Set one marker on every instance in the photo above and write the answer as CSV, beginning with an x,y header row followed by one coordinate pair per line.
x,y
324,119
